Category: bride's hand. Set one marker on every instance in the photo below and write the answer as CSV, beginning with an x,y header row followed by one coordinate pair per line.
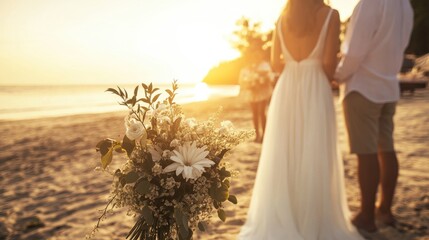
x,y
334,84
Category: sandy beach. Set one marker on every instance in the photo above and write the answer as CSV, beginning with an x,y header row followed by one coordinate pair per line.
x,y
49,189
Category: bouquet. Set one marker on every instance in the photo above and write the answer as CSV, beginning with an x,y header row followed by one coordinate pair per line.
x,y
256,76
174,177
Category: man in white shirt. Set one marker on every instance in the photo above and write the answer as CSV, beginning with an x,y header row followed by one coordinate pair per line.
x,y
372,52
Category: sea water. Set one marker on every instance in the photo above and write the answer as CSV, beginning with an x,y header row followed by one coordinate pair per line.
x,y
29,102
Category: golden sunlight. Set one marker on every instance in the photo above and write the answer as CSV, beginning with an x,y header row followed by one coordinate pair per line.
x,y
202,92
106,41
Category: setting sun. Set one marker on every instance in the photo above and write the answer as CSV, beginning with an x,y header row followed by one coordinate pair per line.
x,y
97,42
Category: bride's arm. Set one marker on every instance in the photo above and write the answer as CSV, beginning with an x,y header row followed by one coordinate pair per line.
x,y
332,46
276,52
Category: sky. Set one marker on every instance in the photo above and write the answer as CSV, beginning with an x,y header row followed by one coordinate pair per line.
x,y
45,42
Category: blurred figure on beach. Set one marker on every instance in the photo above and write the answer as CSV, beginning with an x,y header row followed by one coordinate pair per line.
x,y
373,51
256,87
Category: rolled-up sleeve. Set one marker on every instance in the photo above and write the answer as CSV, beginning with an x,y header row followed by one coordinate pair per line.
x,y
358,39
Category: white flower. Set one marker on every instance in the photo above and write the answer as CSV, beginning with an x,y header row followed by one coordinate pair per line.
x,y
175,143
156,152
190,122
158,111
226,126
187,137
157,169
166,153
143,140
182,116
189,160
134,128
200,130
165,120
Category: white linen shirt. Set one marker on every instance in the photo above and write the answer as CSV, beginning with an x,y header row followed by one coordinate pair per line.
x,y
373,48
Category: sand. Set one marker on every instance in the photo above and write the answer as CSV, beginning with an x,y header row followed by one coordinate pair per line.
x,y
49,189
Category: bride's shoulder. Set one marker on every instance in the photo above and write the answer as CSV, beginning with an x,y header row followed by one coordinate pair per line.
x,y
335,15
326,9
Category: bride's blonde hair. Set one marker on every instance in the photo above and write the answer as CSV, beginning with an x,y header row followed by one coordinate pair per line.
x,y
300,15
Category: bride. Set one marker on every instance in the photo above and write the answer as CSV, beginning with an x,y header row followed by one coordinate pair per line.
x,y
299,188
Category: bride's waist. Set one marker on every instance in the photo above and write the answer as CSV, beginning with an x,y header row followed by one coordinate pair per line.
x,y
304,69
303,63
307,65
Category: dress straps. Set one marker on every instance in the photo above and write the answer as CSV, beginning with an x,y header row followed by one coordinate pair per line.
x,y
320,40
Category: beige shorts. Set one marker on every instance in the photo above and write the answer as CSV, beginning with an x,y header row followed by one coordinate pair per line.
x,y
369,125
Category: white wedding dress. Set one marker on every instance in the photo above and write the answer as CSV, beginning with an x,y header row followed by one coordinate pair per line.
x,y
299,188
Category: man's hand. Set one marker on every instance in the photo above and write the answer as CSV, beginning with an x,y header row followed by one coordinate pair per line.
x,y
334,84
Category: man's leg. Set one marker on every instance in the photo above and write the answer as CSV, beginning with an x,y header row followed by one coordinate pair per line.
x,y
362,118
389,166
368,176
389,176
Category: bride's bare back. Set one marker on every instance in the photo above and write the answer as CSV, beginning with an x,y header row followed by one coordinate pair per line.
x,y
300,47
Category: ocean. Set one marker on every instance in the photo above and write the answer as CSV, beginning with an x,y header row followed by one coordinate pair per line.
x,y
30,102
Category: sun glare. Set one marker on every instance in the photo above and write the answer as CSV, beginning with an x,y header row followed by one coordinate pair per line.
x,y
201,92
105,41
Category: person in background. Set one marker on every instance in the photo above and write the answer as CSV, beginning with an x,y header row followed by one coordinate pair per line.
x,y
256,86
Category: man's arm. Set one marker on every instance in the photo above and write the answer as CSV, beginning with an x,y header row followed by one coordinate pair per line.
x,y
357,43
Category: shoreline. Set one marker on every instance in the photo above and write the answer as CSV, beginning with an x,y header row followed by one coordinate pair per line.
x,y
111,113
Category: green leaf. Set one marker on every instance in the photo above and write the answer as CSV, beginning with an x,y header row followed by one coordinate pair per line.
x,y
128,145
145,100
120,91
118,173
148,164
176,125
212,191
201,226
221,214
118,148
227,184
224,173
153,123
156,97
131,177
106,159
219,194
188,237
178,216
185,220
147,215
233,199
103,146
142,187
216,204
170,93
132,101
136,90
112,90
183,230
